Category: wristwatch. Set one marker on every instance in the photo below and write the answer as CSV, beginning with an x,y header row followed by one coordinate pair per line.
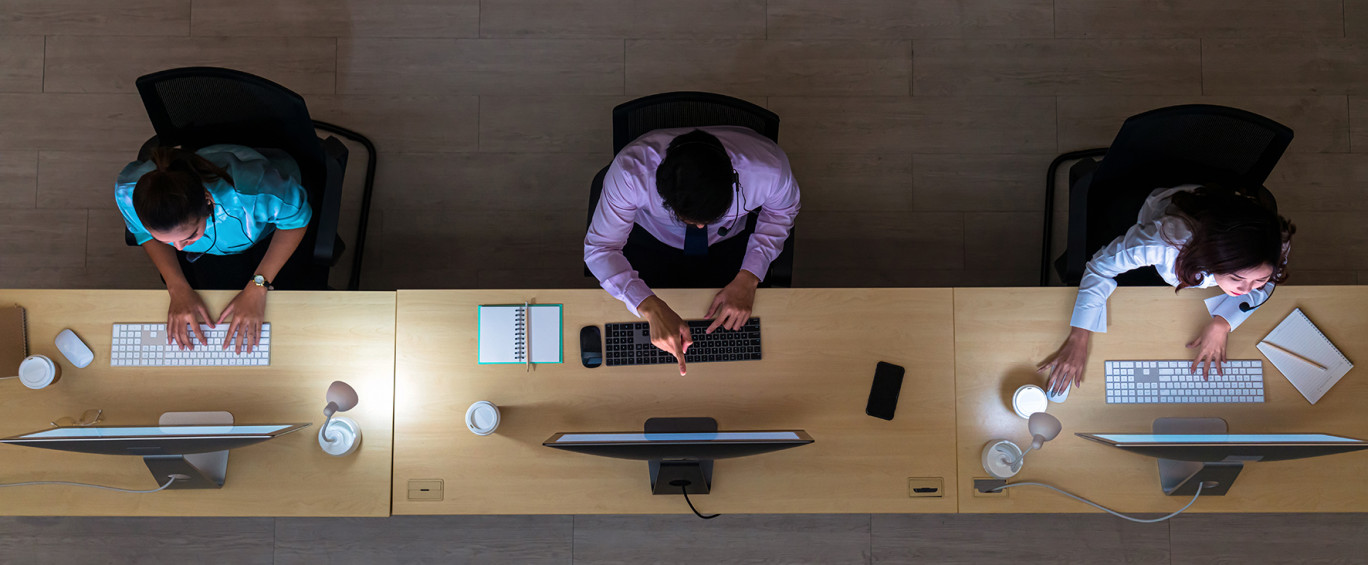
x,y
261,281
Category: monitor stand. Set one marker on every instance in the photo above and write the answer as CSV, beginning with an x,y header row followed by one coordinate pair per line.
x,y
1180,478
666,476
196,470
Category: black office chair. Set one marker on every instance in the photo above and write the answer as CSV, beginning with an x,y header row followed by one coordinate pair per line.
x,y
1189,144
194,107
693,109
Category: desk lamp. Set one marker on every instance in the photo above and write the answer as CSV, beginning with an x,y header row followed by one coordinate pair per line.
x,y
1003,459
340,435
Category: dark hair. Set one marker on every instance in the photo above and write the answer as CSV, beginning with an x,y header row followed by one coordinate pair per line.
x,y
1231,231
173,194
695,179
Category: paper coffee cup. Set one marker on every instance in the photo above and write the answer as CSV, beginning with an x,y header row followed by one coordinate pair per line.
x,y
37,371
1028,400
482,418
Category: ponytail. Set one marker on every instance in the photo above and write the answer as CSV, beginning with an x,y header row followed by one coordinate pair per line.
x,y
173,194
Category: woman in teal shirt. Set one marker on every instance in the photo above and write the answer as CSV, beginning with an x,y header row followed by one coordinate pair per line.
x,y
219,201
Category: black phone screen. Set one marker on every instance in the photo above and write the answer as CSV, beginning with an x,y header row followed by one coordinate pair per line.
x,y
883,396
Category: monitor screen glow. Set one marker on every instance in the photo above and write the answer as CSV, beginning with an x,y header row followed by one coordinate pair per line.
x,y
153,431
1169,439
675,437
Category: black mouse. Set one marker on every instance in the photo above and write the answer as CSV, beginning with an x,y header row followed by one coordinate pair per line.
x,y
591,346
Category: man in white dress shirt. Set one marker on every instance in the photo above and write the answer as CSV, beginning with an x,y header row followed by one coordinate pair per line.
x,y
680,202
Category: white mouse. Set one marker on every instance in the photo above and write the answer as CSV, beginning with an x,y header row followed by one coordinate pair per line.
x,y
75,350
1057,397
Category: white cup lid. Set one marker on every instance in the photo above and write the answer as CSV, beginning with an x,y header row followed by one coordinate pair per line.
x,y
1028,400
482,417
37,371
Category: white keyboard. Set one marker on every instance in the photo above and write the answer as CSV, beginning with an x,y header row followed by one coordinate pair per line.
x,y
144,345
1170,382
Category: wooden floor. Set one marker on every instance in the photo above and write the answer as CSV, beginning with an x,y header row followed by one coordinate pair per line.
x,y
825,539
919,130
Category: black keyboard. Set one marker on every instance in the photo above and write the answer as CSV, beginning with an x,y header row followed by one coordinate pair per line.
x,y
629,343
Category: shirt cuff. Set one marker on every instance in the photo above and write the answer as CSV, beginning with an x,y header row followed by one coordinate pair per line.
x,y
1091,318
756,264
636,293
1228,307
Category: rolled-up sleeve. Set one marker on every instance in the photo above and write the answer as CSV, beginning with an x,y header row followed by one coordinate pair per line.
x,y
1228,307
608,232
1140,246
774,223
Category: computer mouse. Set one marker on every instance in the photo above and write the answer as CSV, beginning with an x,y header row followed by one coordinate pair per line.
x,y
591,346
1060,397
75,350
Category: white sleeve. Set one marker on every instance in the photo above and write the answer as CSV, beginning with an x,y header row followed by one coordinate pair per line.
x,y
1228,307
1140,246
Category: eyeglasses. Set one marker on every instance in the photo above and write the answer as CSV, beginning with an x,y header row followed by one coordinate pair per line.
x,y
88,418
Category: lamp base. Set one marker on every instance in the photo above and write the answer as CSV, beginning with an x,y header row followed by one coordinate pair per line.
x,y
1002,459
341,437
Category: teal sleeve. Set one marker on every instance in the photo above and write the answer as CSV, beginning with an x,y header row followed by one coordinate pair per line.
x,y
277,196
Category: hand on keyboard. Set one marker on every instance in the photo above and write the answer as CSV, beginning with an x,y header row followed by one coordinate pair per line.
x,y
185,306
733,303
1211,347
668,332
247,309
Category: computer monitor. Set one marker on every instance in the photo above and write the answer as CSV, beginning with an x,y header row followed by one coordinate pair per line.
x,y
679,451
1194,451
195,456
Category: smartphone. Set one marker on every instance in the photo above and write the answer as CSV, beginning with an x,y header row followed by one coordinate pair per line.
x,y
883,396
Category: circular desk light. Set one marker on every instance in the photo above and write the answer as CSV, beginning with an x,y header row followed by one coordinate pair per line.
x,y
339,435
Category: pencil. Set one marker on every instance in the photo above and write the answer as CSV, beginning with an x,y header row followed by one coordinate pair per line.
x,y
1304,360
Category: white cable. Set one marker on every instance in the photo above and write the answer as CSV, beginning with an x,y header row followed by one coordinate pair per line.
x,y
158,489
1104,508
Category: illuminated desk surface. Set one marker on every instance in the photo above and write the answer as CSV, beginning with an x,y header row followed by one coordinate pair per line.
x,y
1001,334
318,337
820,347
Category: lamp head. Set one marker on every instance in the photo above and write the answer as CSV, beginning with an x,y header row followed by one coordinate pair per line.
x,y
341,398
1043,427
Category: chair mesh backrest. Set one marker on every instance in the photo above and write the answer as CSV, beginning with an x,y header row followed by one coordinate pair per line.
x,y
1195,143
200,106
1190,144
688,109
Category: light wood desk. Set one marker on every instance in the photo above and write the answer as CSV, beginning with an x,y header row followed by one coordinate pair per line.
x,y
820,349
318,337
1001,334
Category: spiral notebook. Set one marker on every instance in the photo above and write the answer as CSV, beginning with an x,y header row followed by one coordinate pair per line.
x,y
513,333
1298,335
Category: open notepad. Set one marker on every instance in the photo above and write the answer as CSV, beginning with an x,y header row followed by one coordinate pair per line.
x,y
512,333
1298,335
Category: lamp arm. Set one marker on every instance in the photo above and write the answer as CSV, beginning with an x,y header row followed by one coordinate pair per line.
x,y
328,410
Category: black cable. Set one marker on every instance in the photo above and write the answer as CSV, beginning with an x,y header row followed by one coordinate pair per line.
x,y
684,488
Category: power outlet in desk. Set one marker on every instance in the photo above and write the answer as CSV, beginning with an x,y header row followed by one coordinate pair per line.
x,y
987,484
925,487
425,489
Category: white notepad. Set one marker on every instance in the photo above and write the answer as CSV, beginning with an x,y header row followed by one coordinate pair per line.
x,y
511,333
1298,335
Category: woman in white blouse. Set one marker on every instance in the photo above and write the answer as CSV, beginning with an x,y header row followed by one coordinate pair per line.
x,y
1196,237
